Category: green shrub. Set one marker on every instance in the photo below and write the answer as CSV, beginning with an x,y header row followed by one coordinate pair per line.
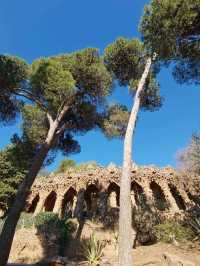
x,y
92,249
194,224
46,222
143,222
170,231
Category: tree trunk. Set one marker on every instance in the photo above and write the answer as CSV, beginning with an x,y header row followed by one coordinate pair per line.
x,y
9,227
125,216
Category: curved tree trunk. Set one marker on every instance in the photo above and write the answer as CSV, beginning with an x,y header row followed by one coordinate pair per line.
x,y
9,227
125,216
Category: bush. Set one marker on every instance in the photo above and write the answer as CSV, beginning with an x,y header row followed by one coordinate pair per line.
x,y
46,222
194,224
171,231
192,220
49,225
143,222
92,249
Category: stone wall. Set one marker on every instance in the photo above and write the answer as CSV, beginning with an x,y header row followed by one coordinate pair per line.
x,y
95,190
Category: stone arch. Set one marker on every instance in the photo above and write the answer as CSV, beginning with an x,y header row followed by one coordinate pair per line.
x,y
50,201
140,197
159,197
90,196
114,190
67,203
34,203
177,196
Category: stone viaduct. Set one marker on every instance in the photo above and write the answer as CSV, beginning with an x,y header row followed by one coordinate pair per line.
x,y
169,191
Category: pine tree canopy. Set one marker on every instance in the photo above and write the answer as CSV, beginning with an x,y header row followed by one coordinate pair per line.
x,y
77,84
125,59
171,28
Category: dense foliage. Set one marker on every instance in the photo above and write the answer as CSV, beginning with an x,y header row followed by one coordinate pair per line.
x,y
14,161
125,59
172,30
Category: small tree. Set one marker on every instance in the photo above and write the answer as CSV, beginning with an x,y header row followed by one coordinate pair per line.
x,y
65,165
64,95
131,66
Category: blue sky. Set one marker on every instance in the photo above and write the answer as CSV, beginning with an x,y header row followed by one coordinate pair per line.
x,y
31,29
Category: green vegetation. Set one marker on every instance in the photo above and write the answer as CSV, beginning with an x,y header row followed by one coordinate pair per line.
x,y
171,29
92,249
67,95
14,161
68,163
171,231
65,165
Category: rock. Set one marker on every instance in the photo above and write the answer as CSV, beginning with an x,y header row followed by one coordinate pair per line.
x,y
173,260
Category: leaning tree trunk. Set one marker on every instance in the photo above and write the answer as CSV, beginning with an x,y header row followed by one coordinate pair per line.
x,y
125,215
9,227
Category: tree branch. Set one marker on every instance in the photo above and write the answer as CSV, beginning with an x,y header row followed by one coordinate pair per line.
x,y
31,97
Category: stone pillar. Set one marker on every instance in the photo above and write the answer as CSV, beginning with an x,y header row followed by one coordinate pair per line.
x,y
113,200
58,204
40,204
1,213
102,204
185,197
74,205
169,198
80,205
133,199
148,194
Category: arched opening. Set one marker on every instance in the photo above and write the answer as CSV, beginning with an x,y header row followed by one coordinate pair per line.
x,y
114,194
159,197
140,198
179,200
34,203
67,204
91,197
50,202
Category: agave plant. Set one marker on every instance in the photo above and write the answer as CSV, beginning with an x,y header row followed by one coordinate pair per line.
x,y
93,249
195,226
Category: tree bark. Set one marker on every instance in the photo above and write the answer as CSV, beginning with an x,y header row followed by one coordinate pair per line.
x,y
125,215
9,227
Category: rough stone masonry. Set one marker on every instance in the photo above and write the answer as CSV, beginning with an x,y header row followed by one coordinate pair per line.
x,y
95,189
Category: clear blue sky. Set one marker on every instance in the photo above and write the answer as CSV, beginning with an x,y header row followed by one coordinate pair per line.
x,y
35,28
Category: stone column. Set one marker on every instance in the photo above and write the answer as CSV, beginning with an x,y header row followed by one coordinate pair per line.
x,y
185,197
169,198
113,200
58,204
74,205
1,213
133,199
148,194
80,205
40,204
102,203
